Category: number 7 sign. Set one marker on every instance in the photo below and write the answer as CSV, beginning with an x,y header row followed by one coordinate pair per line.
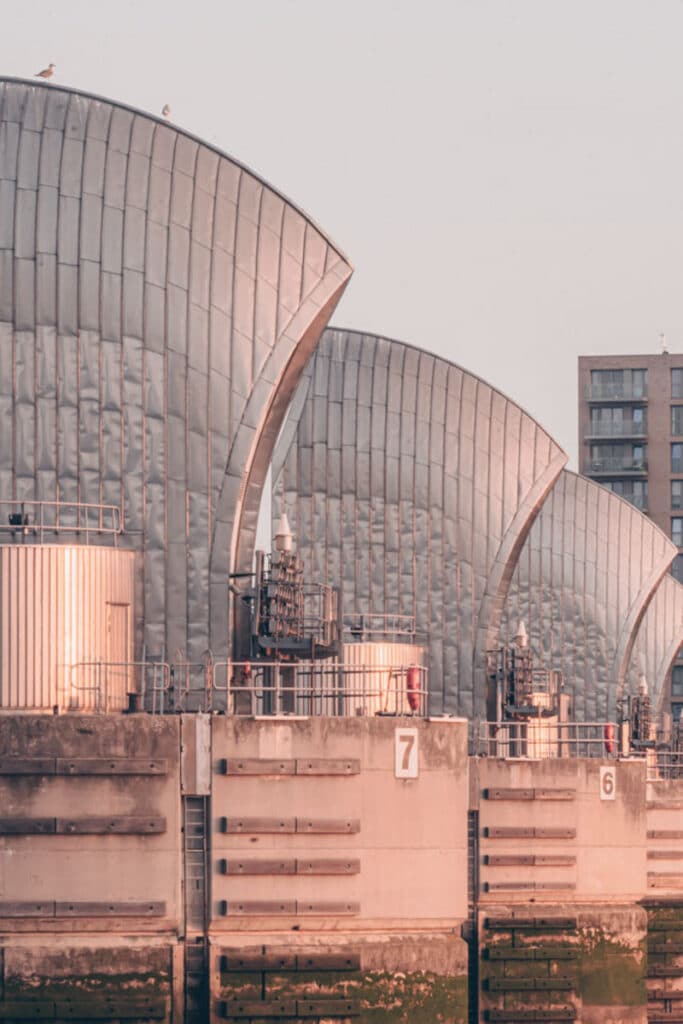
x,y
405,754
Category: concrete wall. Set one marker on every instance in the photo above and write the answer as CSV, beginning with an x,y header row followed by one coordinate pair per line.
x,y
109,775
91,978
90,858
336,890
562,871
586,961
380,925
665,838
602,853
93,915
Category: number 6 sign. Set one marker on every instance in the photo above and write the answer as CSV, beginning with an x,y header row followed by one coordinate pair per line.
x,y
405,754
608,783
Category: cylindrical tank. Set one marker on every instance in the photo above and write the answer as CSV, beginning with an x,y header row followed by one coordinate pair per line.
x,y
376,677
66,627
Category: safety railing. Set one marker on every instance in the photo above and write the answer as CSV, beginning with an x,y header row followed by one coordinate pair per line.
x,y
320,613
613,464
103,686
539,738
311,688
34,519
615,392
316,688
361,626
664,764
621,428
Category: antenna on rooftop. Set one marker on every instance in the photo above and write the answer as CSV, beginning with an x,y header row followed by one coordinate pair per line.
x,y
662,338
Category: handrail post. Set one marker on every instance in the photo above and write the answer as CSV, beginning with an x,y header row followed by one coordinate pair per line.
x,y
276,708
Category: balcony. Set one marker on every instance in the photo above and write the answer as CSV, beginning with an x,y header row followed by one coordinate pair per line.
x,y
607,393
628,428
615,466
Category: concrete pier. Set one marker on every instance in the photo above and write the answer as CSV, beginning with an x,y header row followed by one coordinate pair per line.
x,y
195,868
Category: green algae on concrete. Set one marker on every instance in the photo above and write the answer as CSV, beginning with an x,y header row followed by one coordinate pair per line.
x,y
604,971
421,998
664,919
384,997
611,973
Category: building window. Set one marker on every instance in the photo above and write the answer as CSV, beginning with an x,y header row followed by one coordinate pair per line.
x,y
677,530
677,419
676,711
609,384
677,382
677,493
677,681
606,420
608,458
639,383
618,421
677,457
677,568
634,491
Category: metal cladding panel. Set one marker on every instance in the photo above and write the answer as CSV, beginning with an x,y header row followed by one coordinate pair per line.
x,y
589,567
658,640
439,478
59,608
157,305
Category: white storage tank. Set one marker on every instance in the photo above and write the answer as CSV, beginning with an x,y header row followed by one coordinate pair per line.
x,y
384,677
66,627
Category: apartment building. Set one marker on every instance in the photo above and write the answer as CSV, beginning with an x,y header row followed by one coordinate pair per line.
x,y
631,440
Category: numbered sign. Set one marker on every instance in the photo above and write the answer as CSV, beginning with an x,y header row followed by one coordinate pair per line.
x,y
406,763
608,783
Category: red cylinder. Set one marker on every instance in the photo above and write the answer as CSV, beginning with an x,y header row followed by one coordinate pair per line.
x,y
609,737
413,687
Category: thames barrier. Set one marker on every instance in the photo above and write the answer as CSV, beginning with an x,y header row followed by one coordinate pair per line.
x,y
412,761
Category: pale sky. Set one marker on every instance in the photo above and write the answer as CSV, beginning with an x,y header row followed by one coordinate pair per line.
x,y
506,176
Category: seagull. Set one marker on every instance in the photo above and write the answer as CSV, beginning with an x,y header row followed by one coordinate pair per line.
x,y
47,72
166,110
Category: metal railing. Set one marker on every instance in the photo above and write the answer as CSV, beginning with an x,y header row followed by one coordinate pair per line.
x,y
543,738
36,518
615,465
318,688
613,392
311,688
625,428
664,764
360,625
103,686
320,613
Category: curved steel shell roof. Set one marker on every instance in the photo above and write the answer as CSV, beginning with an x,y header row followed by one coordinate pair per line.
x,y
658,640
414,484
157,305
585,575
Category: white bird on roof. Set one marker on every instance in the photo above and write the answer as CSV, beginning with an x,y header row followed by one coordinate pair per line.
x,y
47,72
165,110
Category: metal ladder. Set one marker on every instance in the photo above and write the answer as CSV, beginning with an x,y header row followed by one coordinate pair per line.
x,y
196,907
472,930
